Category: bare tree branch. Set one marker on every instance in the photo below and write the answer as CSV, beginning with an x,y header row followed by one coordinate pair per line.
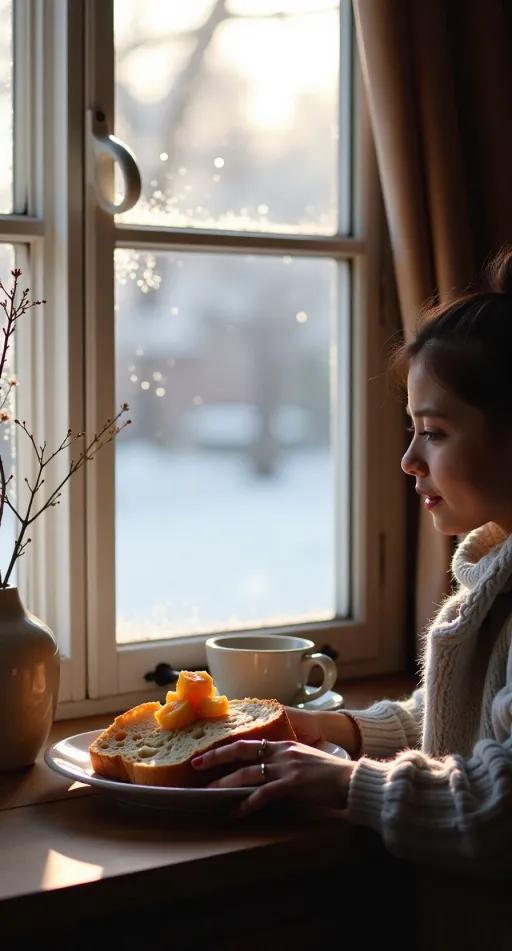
x,y
13,310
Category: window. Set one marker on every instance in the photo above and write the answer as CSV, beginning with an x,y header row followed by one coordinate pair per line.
x,y
232,304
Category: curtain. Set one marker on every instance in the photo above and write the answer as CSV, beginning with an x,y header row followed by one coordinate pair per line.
x,y
438,78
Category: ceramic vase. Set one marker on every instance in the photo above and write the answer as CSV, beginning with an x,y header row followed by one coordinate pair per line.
x,y
29,682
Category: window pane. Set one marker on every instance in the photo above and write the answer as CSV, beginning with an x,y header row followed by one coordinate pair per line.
x,y
232,112
7,428
225,480
6,109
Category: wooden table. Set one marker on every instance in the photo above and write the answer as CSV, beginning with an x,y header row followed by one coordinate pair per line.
x,y
74,860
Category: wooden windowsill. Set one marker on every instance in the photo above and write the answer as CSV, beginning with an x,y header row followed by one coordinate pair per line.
x,y
67,847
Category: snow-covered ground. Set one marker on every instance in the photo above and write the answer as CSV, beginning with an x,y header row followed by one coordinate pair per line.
x,y
203,543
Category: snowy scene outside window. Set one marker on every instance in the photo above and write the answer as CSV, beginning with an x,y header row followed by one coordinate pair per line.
x,y
225,484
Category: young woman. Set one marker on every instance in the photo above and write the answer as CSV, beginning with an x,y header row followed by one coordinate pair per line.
x,y
433,774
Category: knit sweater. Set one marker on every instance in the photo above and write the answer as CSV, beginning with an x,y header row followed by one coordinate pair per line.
x,y
435,779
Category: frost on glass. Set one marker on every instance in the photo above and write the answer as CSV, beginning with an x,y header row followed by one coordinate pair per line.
x,y
231,109
225,479
6,108
7,427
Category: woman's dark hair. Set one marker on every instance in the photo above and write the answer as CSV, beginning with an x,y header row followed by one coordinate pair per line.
x,y
467,344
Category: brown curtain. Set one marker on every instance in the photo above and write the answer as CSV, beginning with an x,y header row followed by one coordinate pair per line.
x,y
438,77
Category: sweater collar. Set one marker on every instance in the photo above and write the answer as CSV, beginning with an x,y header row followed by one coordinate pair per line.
x,y
485,549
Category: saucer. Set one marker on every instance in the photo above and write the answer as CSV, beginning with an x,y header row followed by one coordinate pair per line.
x,y
328,701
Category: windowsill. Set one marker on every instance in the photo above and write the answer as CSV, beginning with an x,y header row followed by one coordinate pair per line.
x,y
67,847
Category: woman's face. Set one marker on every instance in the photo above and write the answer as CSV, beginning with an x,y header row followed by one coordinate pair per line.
x,y
463,470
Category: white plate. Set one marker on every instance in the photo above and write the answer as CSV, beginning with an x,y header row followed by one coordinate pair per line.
x,y
70,757
330,700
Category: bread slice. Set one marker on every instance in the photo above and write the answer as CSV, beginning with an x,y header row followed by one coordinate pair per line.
x,y
135,749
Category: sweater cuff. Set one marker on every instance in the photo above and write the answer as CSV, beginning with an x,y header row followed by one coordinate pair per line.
x,y
366,793
416,792
382,733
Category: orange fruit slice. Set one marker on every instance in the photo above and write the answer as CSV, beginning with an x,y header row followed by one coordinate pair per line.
x,y
212,707
175,715
194,686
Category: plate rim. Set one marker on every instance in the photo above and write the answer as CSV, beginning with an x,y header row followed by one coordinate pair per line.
x,y
133,790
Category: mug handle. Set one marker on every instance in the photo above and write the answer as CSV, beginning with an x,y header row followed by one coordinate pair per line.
x,y
330,676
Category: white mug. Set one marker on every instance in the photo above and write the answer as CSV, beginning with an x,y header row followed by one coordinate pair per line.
x,y
273,666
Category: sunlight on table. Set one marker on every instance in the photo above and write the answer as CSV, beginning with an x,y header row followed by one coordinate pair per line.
x,y
61,870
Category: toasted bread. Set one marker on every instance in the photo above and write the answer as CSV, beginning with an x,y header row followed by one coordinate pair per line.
x,y
135,749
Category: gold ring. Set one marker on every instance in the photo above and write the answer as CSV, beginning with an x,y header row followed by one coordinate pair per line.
x,y
262,749
263,770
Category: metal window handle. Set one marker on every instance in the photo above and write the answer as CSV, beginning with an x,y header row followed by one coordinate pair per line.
x,y
164,674
102,144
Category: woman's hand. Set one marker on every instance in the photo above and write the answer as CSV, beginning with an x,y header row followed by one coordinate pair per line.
x,y
290,770
315,726
307,725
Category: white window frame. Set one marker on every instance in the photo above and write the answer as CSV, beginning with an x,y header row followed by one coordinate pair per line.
x,y
46,228
69,577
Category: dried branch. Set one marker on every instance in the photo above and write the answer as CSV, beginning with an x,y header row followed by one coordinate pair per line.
x,y
108,432
13,310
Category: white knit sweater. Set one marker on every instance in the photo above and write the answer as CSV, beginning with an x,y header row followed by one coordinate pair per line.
x,y
443,793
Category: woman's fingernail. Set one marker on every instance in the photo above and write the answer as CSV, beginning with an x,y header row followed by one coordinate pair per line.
x,y
197,760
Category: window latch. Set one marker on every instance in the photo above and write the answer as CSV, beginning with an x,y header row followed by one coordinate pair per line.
x,y
102,145
162,675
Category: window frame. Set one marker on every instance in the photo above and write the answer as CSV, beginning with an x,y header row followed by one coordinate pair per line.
x,y
68,579
46,230
115,671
